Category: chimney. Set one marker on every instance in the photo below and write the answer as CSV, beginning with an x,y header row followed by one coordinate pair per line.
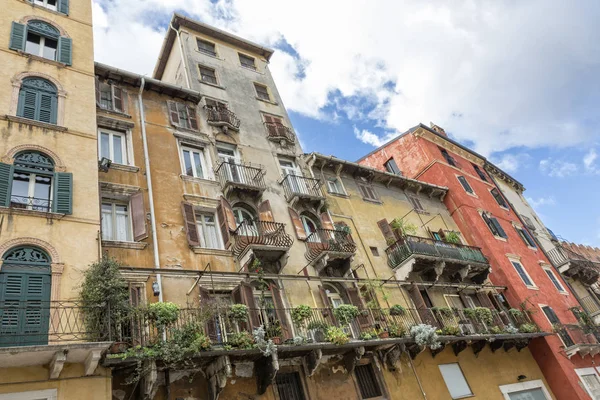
x,y
438,129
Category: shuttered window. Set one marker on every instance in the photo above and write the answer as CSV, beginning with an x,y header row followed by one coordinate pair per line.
x,y
391,167
334,185
182,115
416,203
554,280
525,236
289,386
41,39
499,198
367,191
449,159
494,225
367,381
38,100
116,223
262,92
62,6
465,184
480,172
110,97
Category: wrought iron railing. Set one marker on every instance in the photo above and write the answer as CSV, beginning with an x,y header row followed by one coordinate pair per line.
x,y
260,233
408,246
329,240
30,203
580,267
222,115
230,172
296,185
277,131
590,304
574,334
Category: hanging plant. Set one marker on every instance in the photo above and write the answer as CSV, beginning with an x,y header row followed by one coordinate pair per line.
x,y
300,314
336,335
163,314
396,330
424,335
397,309
238,312
528,328
346,313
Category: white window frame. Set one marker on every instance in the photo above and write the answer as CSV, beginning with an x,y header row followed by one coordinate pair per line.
x,y
587,371
514,260
548,271
125,146
113,215
464,378
47,394
474,194
337,184
521,386
200,221
31,187
204,161
217,78
42,44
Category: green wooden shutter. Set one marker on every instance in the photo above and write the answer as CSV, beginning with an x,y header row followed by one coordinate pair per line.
x,y
63,193
65,46
18,34
6,176
63,6
47,109
499,228
28,103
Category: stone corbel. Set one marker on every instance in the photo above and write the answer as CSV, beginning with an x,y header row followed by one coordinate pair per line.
x,y
312,361
403,272
57,363
464,272
216,373
266,370
352,358
392,357
91,361
459,346
438,268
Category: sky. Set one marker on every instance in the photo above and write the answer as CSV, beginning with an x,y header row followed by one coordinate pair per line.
x,y
517,80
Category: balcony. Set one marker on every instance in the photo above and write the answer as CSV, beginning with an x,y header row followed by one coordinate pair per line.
x,y
575,265
278,132
241,177
30,203
578,339
591,306
432,258
298,188
330,248
222,117
264,240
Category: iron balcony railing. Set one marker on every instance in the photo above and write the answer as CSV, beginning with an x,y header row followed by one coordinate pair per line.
x,y
299,186
409,246
277,131
580,267
240,175
329,241
222,116
260,233
30,203
575,334
590,304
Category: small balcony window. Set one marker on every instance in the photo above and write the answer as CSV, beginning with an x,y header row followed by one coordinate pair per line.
x,y
247,61
465,184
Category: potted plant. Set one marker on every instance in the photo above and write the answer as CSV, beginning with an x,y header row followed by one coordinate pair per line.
x,y
300,314
396,330
452,237
346,313
274,332
163,314
383,334
336,335
403,228
451,330
397,309
319,329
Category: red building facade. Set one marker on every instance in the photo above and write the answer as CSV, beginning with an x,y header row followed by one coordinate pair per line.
x,y
486,220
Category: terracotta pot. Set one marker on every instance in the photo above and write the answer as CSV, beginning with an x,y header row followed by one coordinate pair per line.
x,y
118,347
276,340
384,335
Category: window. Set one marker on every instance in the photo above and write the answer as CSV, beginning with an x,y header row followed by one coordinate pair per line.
x,y
374,251
262,92
247,61
215,104
554,279
310,227
207,230
465,184
391,167
416,203
194,163
115,221
494,225
498,197
437,236
455,380
562,332
38,100
48,394
41,39
207,75
289,386
522,273
480,172
530,390
206,47
591,381
182,115
525,236
50,4
367,191
110,97
367,381
449,159
334,185
113,146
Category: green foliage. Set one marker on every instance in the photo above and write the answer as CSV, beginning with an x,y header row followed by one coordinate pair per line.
x,y
336,335
451,330
104,288
163,314
404,227
319,326
585,321
482,314
496,330
528,328
390,241
397,309
273,330
238,312
365,336
396,330
452,237
300,314
444,311
345,313
515,313
241,340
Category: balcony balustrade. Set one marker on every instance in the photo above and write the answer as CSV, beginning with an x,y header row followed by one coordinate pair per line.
x,y
262,235
221,116
30,203
575,265
278,132
579,339
299,187
335,244
237,176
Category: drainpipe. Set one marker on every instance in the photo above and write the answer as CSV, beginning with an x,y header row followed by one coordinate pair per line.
x,y
150,192
185,70
412,366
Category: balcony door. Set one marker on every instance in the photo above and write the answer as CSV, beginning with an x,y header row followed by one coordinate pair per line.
x,y
290,170
310,226
242,215
232,163
24,297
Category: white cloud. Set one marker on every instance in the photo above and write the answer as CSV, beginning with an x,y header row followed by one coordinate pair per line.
x,y
369,137
589,161
541,201
494,73
511,162
558,168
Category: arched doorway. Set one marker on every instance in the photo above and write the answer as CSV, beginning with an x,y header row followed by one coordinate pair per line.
x,y
25,280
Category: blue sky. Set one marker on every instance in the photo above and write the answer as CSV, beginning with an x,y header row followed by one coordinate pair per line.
x,y
516,81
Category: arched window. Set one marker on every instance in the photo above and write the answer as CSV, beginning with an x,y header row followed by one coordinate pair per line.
x,y
244,214
41,39
25,280
333,295
38,100
31,183
310,226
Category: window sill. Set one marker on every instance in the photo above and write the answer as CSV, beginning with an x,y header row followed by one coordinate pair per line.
x,y
190,130
31,213
532,287
188,178
213,252
500,238
211,84
123,167
113,112
342,195
32,122
372,201
267,101
42,59
253,69
124,245
472,194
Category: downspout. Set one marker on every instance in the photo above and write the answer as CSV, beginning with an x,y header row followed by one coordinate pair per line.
x,y
185,70
412,366
150,192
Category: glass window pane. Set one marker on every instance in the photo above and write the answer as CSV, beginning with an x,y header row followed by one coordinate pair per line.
x,y
187,162
32,46
531,394
118,149
50,46
592,385
211,237
522,273
20,191
122,228
41,193
198,165
455,380
105,145
107,227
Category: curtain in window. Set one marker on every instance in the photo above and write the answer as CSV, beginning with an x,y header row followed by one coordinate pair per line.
x,y
107,227
122,222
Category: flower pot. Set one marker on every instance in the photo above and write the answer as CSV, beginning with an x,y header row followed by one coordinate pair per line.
x,y
319,336
276,340
118,347
384,335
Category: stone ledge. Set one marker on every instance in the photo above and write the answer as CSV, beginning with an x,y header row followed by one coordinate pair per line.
x,y
123,167
31,213
124,245
213,252
38,124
